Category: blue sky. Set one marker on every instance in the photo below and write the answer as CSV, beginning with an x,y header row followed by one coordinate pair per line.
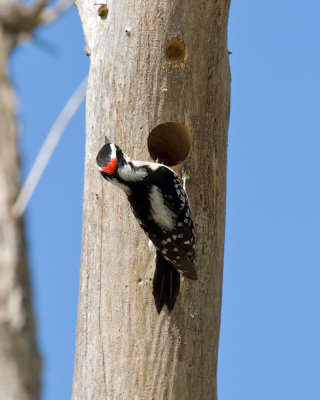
x,y
269,344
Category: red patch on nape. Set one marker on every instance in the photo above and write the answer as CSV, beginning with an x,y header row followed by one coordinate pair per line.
x,y
110,167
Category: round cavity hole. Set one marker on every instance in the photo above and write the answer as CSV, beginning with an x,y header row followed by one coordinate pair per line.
x,y
169,143
103,11
176,52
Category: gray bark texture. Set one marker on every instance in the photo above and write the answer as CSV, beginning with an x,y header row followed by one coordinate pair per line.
x,y
152,63
20,362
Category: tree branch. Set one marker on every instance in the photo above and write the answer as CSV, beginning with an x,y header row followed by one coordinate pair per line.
x,y
48,147
17,18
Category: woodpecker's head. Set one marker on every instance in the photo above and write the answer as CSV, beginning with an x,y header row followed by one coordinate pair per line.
x,y
116,167
110,160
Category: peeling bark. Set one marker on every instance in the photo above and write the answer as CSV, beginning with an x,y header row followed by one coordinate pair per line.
x,y
152,63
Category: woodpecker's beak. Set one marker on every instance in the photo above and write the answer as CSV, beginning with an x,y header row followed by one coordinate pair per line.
x,y
106,140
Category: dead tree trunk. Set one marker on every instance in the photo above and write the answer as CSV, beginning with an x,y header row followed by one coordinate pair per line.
x,y
159,80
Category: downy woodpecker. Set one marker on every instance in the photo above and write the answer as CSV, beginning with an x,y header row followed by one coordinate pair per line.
x,y
161,207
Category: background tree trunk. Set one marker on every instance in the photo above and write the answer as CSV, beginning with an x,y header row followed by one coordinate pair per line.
x,y
152,63
20,363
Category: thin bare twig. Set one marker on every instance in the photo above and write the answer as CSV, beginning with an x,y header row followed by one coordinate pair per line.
x,y
48,147
49,14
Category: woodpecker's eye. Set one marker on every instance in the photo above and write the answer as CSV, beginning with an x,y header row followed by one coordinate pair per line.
x,y
110,167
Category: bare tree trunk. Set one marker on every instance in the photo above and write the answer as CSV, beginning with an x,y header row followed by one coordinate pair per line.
x,y
152,63
20,363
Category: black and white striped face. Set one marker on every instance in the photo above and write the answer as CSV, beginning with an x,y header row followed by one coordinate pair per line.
x,y
108,160
117,168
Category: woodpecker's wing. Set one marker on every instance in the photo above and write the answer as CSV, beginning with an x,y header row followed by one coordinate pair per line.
x,y
180,256
178,244
174,196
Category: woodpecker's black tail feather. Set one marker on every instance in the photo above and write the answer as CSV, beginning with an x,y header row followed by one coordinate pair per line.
x,y
166,283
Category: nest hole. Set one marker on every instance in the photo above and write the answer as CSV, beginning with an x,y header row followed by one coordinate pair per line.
x,y
170,143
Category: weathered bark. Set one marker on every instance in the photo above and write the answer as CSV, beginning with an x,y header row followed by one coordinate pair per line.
x,y
20,363
125,350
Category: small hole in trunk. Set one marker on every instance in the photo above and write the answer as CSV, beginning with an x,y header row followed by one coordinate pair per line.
x,y
176,52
